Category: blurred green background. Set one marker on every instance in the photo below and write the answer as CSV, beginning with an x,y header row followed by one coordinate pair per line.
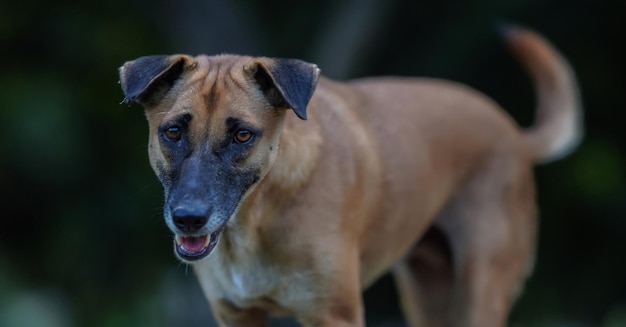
x,y
82,239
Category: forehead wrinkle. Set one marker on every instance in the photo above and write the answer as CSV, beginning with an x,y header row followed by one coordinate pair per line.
x,y
234,78
208,88
220,78
180,99
215,93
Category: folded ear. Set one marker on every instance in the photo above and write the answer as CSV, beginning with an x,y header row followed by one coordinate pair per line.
x,y
286,83
147,79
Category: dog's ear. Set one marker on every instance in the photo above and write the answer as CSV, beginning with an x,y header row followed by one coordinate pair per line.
x,y
147,79
286,83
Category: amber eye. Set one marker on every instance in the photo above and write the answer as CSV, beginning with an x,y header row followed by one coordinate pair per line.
x,y
243,136
173,133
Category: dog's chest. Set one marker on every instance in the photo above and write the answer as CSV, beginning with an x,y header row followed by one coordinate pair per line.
x,y
234,281
252,283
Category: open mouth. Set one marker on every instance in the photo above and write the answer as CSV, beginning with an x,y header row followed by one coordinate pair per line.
x,y
193,248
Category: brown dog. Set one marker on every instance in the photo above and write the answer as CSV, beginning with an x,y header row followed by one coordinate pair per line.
x,y
278,215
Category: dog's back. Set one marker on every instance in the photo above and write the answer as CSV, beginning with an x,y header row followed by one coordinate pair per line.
x,y
436,156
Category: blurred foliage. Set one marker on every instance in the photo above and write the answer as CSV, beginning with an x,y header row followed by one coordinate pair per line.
x,y
82,241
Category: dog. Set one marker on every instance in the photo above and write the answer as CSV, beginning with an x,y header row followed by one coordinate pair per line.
x,y
290,193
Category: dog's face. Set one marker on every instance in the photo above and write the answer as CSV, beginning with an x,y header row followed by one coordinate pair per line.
x,y
214,128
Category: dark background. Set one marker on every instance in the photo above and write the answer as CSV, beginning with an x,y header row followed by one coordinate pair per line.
x,y
82,239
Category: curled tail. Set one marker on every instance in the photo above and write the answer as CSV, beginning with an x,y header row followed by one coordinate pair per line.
x,y
557,129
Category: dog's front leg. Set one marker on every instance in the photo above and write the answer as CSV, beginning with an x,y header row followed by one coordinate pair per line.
x,y
227,315
340,302
340,315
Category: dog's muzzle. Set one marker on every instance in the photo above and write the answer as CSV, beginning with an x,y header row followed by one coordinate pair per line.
x,y
191,242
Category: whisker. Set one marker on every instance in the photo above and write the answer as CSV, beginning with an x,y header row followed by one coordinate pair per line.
x,y
144,188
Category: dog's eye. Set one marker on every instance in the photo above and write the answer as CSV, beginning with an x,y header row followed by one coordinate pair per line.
x,y
173,133
243,136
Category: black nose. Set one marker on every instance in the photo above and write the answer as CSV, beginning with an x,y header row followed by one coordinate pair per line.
x,y
188,222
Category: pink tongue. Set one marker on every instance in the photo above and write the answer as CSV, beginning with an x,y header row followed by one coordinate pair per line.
x,y
193,244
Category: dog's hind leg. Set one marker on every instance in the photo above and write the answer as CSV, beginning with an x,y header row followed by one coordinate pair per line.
x,y
424,281
491,228
467,270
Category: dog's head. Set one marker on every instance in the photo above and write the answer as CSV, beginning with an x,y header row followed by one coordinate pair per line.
x,y
214,127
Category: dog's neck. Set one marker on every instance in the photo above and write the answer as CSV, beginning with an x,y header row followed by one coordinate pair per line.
x,y
298,155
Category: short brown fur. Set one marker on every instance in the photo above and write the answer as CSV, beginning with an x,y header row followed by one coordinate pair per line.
x,y
346,195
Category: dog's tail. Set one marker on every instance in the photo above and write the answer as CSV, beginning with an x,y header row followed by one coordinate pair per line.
x,y
558,124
